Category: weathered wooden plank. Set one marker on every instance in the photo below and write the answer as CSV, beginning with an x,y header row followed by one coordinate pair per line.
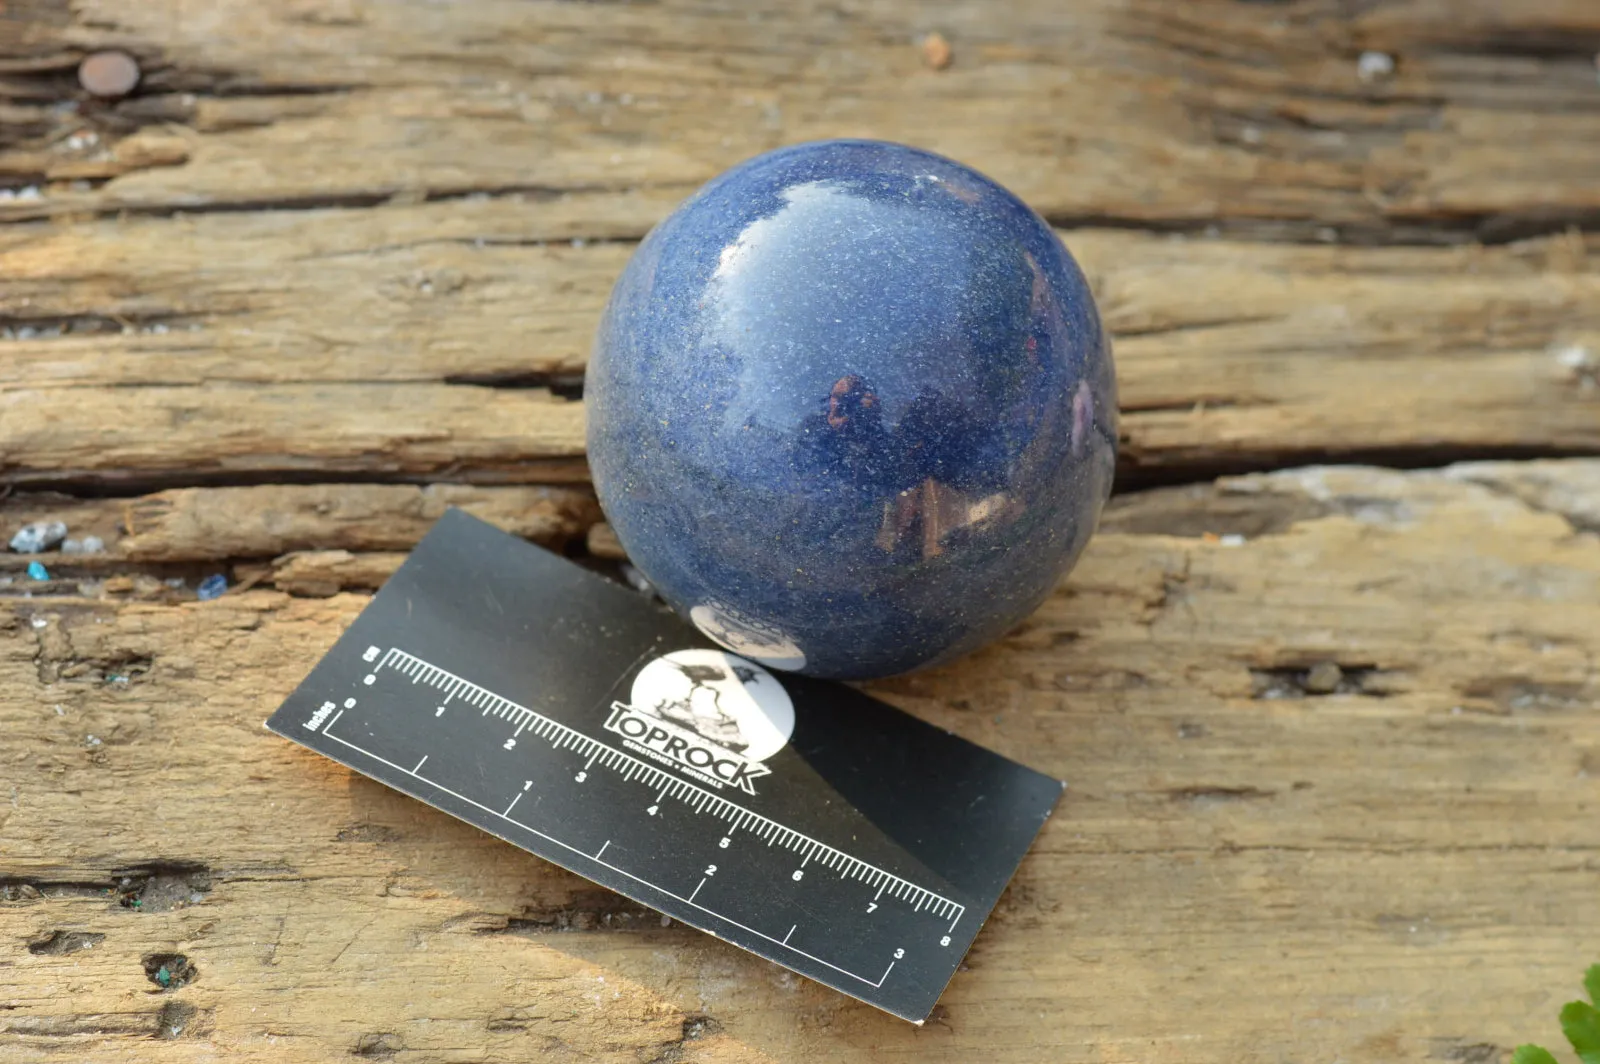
x,y
315,533
211,524
321,573
229,432
1402,867
1132,110
1231,356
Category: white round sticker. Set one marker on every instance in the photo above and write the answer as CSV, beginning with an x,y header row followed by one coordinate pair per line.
x,y
730,701
747,638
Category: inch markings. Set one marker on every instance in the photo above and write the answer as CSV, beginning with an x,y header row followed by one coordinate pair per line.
x,y
560,737
877,983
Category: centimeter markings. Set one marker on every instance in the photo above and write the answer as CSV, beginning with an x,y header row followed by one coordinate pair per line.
x,y
698,798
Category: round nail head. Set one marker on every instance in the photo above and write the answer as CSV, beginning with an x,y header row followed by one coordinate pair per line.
x,y
109,74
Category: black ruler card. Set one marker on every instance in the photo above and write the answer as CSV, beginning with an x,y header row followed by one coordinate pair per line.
x,y
800,819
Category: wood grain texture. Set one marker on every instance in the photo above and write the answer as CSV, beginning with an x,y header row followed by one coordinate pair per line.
x,y
169,356
1243,869
1210,111
335,266
210,524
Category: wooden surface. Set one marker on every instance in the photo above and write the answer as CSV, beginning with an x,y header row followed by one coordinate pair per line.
x,y
334,268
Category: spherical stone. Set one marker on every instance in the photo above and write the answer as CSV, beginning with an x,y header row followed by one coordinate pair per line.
x,y
851,409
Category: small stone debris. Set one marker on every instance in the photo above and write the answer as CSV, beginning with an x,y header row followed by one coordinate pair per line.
x,y
637,580
1375,66
109,74
1576,356
936,51
37,572
38,537
1323,678
213,586
86,545
169,971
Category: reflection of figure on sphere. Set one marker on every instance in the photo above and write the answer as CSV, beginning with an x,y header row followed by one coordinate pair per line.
x,y
943,453
844,443
936,472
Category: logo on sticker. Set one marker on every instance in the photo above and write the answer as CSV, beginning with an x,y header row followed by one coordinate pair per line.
x,y
708,713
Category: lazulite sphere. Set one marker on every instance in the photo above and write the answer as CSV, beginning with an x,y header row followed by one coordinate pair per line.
x,y
851,409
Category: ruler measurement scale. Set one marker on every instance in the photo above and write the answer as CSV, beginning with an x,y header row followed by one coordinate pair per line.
x,y
629,769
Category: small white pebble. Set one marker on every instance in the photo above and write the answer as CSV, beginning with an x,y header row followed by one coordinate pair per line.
x,y
74,142
92,741
40,622
625,99
30,193
59,711
7,195
174,581
666,921
579,242
593,97
1374,66
1250,135
1232,539
159,328
1574,356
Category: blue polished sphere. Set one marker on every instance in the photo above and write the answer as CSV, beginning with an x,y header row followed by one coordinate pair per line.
x,y
851,409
